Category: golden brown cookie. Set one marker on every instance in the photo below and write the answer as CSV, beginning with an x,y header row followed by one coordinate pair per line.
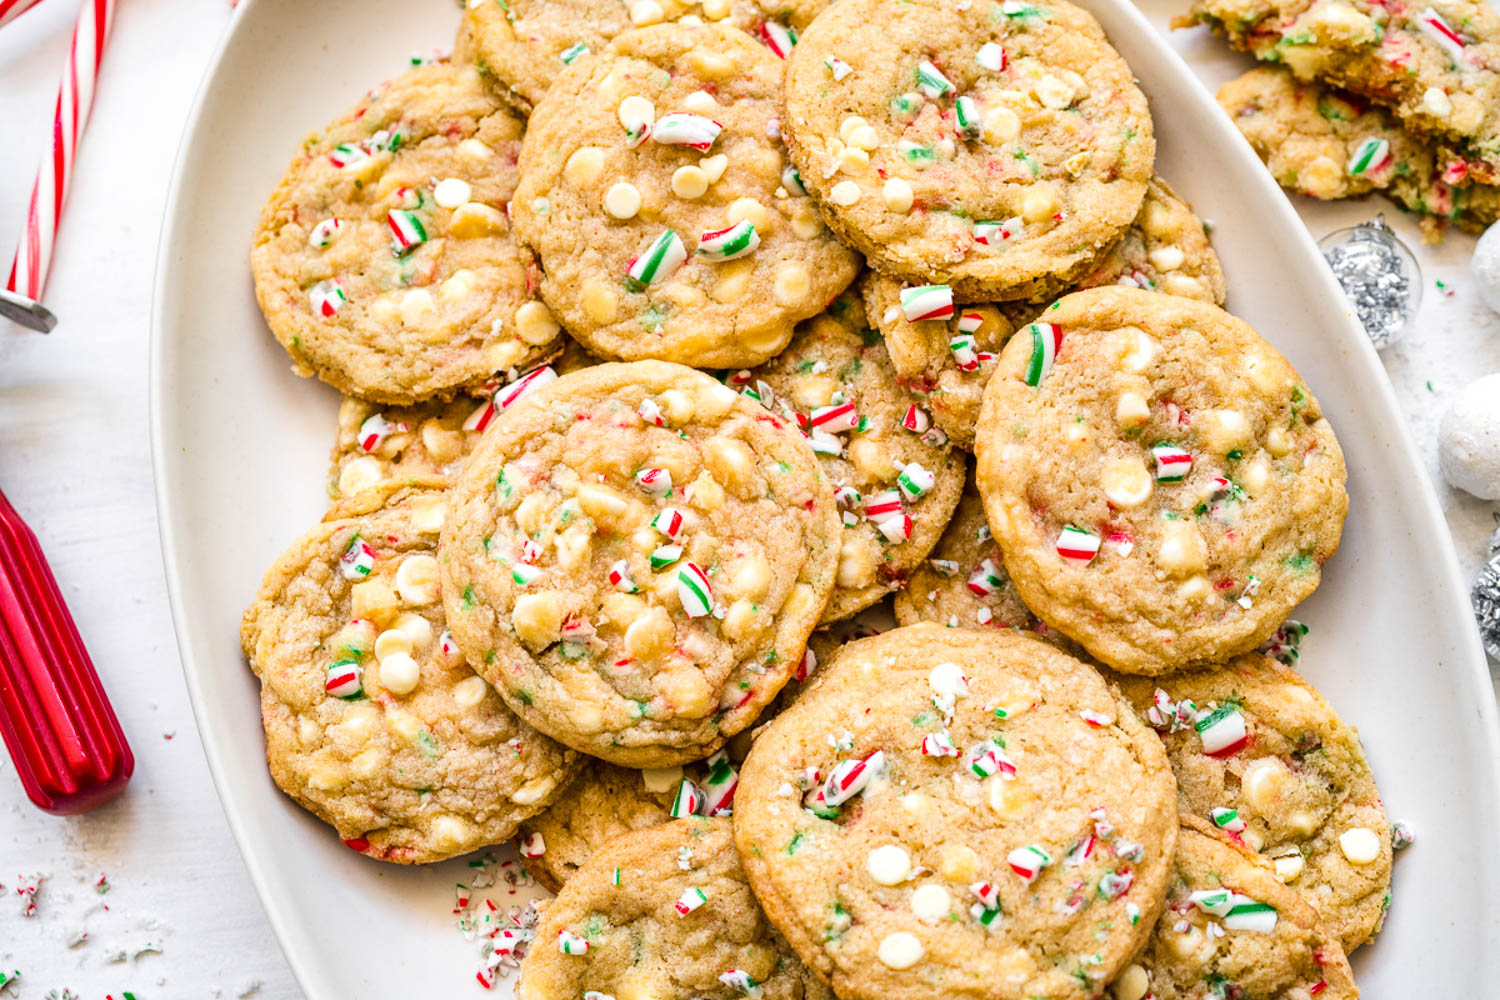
x,y
373,721
635,558
384,262
958,813
1163,485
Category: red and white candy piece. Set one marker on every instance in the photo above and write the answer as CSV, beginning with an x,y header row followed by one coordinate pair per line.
x,y
650,411
1028,862
985,579
1431,24
525,574
668,522
533,845
688,801
931,81
571,944
1227,819
938,745
730,243
343,680
691,898
995,233
850,777
719,787
965,352
620,579
358,559
325,232
326,298
407,229
924,302
1046,341
1080,852
665,255
654,482
739,979
834,419
987,759
837,68
991,57
1221,729
1077,545
376,429
681,128
694,592
512,392
916,420
883,505
1172,463
806,665
778,38
1370,156
915,482
1096,719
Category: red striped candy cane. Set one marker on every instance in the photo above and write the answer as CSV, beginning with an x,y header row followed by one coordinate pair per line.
x,y
28,274
12,9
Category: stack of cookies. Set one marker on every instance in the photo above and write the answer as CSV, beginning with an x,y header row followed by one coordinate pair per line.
x,y
1363,95
666,335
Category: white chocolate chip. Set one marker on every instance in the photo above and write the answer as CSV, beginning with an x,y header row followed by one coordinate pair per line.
x,y
865,137
1278,442
415,304
713,166
1131,410
848,126
1183,551
1359,845
1224,430
622,200
535,324
400,674
1140,352
473,220
898,195
889,864
390,642
1001,126
1436,103
1039,203
417,580
791,285
1126,482
716,10
844,193
644,12
1168,258
854,161
585,166
415,627
1132,984
470,691
931,902
359,474
475,151
451,192
661,779
700,102
900,950
635,111
537,619
1263,782
1288,867
689,182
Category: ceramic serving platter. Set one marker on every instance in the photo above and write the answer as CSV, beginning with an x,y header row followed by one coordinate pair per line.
x,y
241,447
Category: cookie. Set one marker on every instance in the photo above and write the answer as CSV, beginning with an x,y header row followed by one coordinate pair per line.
x,y
958,813
896,481
1260,753
663,913
607,801
964,584
1230,923
999,147
1435,65
384,262
1163,485
1327,143
524,45
635,557
373,721
947,361
376,443
649,189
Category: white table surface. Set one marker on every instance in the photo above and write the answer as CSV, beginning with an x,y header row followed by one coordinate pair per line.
x,y
75,460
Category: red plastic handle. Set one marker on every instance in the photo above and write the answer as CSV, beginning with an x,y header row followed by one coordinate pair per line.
x,y
54,715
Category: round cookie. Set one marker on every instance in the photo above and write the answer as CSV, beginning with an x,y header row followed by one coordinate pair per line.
x,y
999,147
649,189
635,559
1255,738
1230,923
384,262
373,721
964,584
606,801
1165,249
663,913
524,45
376,443
895,480
961,814
1164,487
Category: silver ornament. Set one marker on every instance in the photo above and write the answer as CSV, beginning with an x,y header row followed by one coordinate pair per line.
x,y
1486,599
1380,276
